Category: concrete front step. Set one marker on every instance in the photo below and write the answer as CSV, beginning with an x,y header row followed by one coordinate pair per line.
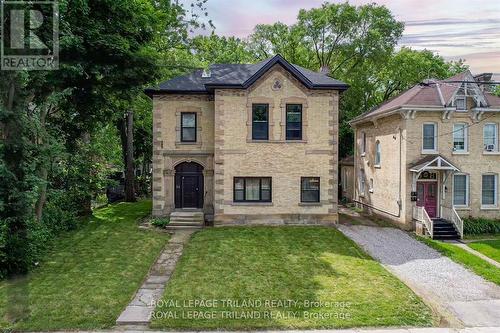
x,y
186,218
181,227
186,214
186,223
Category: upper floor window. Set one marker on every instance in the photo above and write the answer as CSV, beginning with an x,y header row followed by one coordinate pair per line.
x,y
260,122
429,137
377,153
252,189
188,127
489,191
294,121
460,190
461,103
309,189
363,143
460,137
490,137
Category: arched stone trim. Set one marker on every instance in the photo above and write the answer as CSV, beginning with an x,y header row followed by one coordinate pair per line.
x,y
260,100
199,114
294,100
188,160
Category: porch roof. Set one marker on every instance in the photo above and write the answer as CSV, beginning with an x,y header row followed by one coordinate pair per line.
x,y
432,162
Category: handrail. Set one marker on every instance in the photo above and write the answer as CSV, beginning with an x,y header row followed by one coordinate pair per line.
x,y
450,213
420,214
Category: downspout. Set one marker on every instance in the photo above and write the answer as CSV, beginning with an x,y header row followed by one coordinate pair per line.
x,y
398,215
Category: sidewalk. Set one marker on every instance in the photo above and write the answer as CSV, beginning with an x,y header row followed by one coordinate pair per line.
x,y
356,330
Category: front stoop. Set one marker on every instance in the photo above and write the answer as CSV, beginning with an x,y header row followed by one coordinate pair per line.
x,y
186,219
140,309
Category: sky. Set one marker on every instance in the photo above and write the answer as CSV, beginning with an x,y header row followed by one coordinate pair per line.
x,y
456,29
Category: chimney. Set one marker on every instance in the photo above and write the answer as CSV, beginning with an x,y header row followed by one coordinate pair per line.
x,y
483,79
324,70
206,73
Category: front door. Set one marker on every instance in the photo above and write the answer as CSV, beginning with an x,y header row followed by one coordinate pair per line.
x,y
189,185
427,197
190,191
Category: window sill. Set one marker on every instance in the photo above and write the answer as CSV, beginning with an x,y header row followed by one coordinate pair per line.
x,y
363,154
187,143
276,141
489,208
460,153
310,204
371,191
429,152
377,166
462,208
251,204
491,152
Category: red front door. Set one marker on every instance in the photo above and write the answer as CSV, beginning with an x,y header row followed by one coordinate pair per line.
x,y
427,197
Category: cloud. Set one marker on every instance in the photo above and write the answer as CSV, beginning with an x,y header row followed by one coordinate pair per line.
x,y
450,21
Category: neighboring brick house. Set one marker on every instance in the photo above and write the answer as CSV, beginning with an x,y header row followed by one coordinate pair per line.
x,y
247,144
431,155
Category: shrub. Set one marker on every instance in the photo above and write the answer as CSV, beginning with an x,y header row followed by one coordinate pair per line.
x,y
160,222
476,226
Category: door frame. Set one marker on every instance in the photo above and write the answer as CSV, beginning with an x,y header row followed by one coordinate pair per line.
x,y
438,192
178,186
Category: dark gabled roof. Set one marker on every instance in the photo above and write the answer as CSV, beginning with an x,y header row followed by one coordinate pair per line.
x,y
241,76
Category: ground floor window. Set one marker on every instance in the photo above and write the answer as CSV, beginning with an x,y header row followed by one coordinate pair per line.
x,y
489,190
252,189
460,190
309,189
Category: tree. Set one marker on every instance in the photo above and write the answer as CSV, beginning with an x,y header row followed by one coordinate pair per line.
x,y
215,49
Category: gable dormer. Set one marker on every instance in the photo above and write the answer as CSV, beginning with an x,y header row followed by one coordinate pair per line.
x,y
465,92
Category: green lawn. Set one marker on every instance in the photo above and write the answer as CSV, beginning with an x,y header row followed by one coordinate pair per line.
x,y
264,266
467,259
490,248
89,276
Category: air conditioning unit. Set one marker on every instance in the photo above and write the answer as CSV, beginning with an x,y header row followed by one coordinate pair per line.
x,y
489,147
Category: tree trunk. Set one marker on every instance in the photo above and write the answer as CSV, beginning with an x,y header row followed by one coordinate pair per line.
x,y
129,166
42,168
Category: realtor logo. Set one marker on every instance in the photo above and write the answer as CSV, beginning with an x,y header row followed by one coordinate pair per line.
x,y
30,35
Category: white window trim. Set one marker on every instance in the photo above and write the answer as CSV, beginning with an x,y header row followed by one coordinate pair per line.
x,y
434,150
465,103
496,139
467,190
363,143
495,205
378,152
370,186
466,139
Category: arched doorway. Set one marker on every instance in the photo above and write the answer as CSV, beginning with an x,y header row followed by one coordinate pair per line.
x,y
189,188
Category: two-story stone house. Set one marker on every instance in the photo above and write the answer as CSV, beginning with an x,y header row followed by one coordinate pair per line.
x,y
247,143
431,156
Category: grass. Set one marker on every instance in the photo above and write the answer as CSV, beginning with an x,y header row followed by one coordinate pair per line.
x,y
222,268
88,277
467,259
482,237
490,248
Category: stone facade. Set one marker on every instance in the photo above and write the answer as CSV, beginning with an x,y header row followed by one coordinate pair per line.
x,y
403,132
224,148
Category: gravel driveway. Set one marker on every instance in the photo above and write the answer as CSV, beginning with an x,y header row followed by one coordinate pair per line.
x,y
448,286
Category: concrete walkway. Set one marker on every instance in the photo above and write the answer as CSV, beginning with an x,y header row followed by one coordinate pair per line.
x,y
462,297
139,311
477,254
